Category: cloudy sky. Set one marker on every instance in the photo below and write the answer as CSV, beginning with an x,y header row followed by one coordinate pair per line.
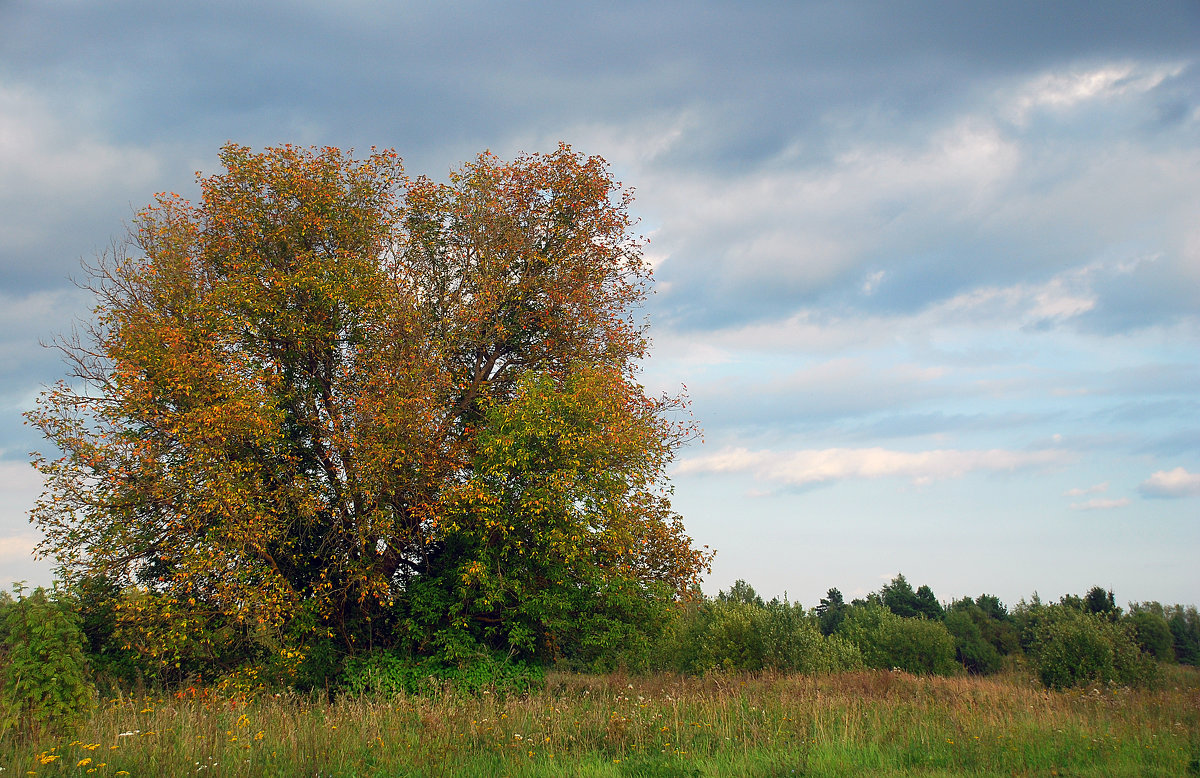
x,y
929,271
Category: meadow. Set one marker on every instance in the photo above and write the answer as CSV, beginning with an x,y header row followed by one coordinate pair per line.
x,y
860,723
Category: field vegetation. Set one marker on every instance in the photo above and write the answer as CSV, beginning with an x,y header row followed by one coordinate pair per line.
x,y
876,722
735,686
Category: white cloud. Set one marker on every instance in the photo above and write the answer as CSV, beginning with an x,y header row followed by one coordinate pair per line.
x,y
1100,504
756,241
807,332
804,224
1017,304
815,466
834,376
17,547
832,388
637,142
36,145
1079,492
1063,296
967,157
1171,483
1066,89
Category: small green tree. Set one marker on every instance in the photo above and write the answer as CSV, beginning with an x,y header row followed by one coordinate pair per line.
x,y
624,630
793,643
831,611
973,650
785,629
1185,631
1102,602
991,606
99,604
679,649
993,622
740,634
740,592
927,603
44,683
1027,618
1153,635
899,597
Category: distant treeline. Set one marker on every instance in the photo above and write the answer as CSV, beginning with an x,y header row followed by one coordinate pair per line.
x,y
57,646
1079,639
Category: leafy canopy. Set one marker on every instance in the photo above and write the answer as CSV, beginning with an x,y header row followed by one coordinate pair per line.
x,y
333,400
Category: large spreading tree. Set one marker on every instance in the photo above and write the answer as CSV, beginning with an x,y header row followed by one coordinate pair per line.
x,y
333,402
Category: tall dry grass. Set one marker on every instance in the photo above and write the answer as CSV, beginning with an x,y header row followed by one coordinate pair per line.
x,y
882,723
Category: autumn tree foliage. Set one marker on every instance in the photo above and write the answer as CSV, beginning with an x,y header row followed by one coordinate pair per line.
x,y
330,402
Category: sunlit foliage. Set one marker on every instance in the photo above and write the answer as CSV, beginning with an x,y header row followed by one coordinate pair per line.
x,y
330,402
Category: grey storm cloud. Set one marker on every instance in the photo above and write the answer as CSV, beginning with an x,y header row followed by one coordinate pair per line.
x,y
185,67
818,145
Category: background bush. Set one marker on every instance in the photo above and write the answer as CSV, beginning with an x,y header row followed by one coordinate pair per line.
x,y
737,631
972,651
45,686
888,641
1153,635
387,673
624,630
1074,647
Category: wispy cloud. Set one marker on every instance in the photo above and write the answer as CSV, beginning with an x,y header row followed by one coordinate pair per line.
x,y
1079,492
800,468
982,310
1171,483
1100,504
1064,89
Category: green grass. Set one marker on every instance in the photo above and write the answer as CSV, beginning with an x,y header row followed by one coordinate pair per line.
x,y
874,723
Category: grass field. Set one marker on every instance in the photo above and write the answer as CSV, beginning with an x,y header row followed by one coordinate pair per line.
x,y
866,723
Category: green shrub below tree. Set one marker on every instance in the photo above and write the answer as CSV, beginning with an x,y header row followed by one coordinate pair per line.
x,y
45,687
